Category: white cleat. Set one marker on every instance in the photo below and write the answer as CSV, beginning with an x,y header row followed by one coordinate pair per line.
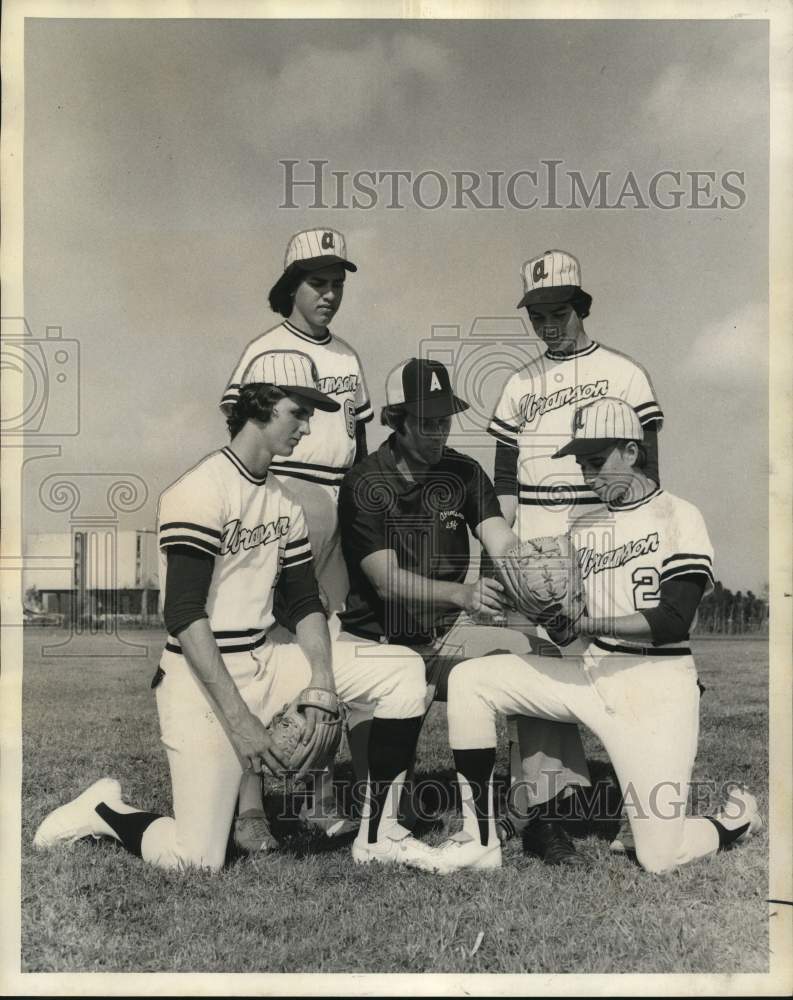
x,y
78,818
741,807
464,851
623,843
399,847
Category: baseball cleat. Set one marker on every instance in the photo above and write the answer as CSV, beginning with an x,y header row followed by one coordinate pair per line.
x,y
330,825
399,847
623,843
549,841
740,807
78,818
462,850
252,833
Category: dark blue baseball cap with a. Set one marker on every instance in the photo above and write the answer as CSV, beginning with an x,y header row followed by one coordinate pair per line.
x,y
422,387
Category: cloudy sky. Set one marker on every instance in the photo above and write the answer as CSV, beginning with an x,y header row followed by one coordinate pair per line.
x,y
154,224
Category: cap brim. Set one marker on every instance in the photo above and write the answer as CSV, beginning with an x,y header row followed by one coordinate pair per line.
x,y
317,399
589,446
292,276
559,293
326,260
441,406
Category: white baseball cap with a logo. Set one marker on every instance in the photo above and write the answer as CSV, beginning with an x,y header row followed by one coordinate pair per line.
x,y
316,248
291,371
601,423
554,276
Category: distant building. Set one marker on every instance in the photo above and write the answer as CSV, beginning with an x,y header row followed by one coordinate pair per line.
x,y
105,571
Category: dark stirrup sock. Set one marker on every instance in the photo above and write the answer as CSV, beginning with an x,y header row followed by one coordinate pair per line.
x,y
391,746
129,826
476,766
727,837
514,822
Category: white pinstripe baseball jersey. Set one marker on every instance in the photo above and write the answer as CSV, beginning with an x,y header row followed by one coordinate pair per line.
x,y
328,451
251,525
626,553
536,409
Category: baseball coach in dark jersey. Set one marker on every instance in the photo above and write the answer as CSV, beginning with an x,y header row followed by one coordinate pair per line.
x,y
405,514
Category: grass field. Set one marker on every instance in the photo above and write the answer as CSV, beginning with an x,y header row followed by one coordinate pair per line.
x,y
92,907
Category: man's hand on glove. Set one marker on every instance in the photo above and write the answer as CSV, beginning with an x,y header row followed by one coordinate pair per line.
x,y
307,732
542,579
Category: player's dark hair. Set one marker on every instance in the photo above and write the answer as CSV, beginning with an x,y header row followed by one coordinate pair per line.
x,y
581,302
255,401
393,417
281,297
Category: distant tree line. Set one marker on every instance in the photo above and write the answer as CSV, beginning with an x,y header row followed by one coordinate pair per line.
x,y
721,612
733,614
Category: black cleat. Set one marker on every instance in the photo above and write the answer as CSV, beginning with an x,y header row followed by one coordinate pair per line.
x,y
547,840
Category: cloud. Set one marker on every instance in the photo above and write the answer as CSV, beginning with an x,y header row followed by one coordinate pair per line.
x,y
733,352
686,98
332,90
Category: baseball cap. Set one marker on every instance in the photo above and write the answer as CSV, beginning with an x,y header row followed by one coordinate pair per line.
x,y
317,248
554,276
422,387
291,371
599,424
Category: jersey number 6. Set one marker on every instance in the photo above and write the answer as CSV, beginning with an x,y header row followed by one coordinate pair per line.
x,y
349,416
646,588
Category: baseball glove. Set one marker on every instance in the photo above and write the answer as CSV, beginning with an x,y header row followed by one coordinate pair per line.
x,y
542,580
287,729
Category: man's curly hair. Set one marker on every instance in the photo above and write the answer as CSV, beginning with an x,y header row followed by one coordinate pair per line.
x,y
256,401
393,417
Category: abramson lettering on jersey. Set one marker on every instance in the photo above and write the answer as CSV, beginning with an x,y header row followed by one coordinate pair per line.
x,y
335,384
595,562
533,406
236,537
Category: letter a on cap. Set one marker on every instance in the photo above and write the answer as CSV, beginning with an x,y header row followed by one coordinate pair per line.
x,y
435,383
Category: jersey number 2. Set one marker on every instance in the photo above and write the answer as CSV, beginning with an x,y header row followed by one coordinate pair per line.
x,y
646,588
349,416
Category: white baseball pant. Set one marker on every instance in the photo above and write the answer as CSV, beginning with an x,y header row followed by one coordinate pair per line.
x,y
645,712
320,507
205,770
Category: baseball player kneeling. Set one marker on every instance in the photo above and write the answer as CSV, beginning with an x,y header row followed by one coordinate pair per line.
x,y
230,537
644,561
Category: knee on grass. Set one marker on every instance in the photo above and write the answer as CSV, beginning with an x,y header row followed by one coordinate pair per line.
x,y
164,850
657,860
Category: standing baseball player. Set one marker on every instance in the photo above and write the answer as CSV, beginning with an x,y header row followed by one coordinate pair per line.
x,y
646,562
541,496
231,538
308,295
